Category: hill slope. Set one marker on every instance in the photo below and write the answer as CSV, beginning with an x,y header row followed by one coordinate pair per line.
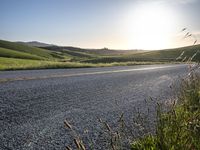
x,y
19,56
22,49
177,54
35,44
94,52
173,54
4,52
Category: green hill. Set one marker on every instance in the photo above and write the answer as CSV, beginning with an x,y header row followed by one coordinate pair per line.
x,y
4,52
21,56
93,52
173,54
17,50
177,54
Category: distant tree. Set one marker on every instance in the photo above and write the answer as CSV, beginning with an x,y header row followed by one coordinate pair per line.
x,y
105,48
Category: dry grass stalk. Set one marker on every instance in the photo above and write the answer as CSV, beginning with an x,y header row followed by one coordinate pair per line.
x,y
68,148
112,145
82,146
107,127
100,120
77,143
67,124
121,117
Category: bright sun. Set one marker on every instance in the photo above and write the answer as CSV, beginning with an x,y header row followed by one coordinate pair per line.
x,y
150,27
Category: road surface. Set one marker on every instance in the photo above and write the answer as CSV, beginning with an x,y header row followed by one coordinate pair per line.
x,y
34,103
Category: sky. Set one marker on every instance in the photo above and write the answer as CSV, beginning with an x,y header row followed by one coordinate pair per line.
x,y
115,24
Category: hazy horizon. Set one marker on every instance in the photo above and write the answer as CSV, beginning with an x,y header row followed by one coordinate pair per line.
x,y
115,24
96,48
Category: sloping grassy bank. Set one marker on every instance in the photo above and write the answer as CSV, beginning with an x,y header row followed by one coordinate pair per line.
x,y
23,64
179,128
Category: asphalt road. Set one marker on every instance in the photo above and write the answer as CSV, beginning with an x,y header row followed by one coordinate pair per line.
x,y
34,104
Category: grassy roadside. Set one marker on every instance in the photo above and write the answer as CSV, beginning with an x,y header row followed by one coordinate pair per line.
x,y
23,64
179,128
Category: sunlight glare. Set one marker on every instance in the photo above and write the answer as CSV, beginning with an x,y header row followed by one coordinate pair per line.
x,y
150,27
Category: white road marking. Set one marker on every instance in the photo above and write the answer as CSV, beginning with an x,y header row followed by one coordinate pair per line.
x,y
83,74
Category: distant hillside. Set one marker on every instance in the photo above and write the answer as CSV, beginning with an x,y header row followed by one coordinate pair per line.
x,y
102,52
17,50
4,52
177,54
174,54
74,54
35,44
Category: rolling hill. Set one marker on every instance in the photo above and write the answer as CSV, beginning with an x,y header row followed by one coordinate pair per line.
x,y
97,52
17,50
177,54
4,52
52,56
35,44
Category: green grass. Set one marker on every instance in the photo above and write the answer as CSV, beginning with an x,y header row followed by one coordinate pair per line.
x,y
179,128
172,54
22,64
110,56
45,54
154,56
94,52
16,54
61,56
78,56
